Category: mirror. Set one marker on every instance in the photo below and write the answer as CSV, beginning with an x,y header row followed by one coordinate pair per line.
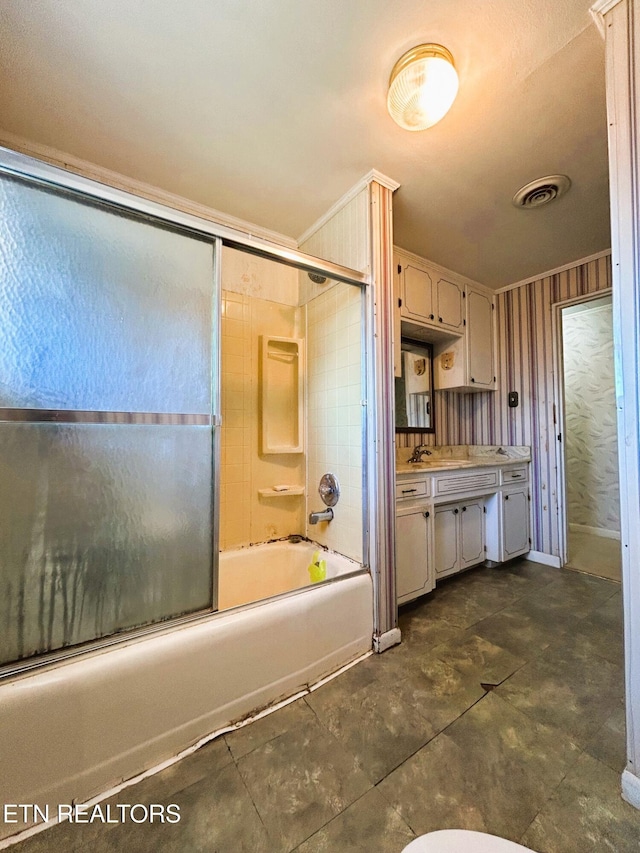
x,y
414,389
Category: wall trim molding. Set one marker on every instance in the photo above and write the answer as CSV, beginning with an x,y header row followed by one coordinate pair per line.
x,y
350,194
119,181
544,559
578,263
631,788
595,531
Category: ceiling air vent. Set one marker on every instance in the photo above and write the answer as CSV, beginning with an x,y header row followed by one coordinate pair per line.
x,y
541,191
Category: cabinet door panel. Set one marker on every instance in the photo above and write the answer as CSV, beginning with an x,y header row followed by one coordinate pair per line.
x,y
449,304
412,554
515,523
480,334
445,539
471,533
417,299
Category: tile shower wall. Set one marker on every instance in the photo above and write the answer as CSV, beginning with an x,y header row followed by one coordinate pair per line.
x,y
245,517
591,445
334,422
525,364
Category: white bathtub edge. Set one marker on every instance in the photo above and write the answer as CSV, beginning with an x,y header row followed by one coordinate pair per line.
x,y
80,729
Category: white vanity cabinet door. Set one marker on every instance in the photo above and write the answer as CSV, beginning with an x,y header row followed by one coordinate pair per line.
x,y
445,539
480,339
471,533
413,559
515,522
416,293
449,305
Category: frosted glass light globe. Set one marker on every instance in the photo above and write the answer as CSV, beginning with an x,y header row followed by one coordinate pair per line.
x,y
422,87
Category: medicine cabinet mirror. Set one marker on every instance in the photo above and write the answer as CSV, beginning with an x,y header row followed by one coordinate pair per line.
x,y
414,388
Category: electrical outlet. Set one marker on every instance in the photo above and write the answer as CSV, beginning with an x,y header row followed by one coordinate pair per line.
x,y
513,399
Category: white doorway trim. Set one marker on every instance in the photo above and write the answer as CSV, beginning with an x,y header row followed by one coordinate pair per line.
x,y
559,414
620,21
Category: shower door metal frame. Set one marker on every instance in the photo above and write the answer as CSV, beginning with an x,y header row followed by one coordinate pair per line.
x,y
54,177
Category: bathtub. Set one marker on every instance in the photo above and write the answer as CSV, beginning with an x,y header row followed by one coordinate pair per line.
x,y
262,571
72,731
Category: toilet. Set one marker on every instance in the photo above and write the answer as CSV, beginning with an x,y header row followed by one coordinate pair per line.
x,y
462,841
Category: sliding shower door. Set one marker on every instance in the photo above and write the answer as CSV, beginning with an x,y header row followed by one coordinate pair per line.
x,y
106,461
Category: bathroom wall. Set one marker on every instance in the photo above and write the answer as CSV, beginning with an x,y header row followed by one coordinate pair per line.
x,y
525,364
342,236
259,297
334,422
591,443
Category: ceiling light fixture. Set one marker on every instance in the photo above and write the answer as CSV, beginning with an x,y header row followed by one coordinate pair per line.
x,y
422,87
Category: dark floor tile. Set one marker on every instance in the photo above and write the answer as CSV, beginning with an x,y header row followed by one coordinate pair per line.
x,y
216,814
374,724
491,771
301,780
463,606
204,763
473,654
586,814
567,688
255,734
609,744
419,628
493,728
538,574
576,594
438,692
370,824
522,631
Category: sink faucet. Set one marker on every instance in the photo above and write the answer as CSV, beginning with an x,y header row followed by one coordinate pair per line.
x,y
418,452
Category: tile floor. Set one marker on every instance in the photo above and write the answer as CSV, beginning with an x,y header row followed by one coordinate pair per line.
x,y
500,711
595,555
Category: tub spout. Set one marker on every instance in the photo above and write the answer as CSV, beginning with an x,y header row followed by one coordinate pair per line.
x,y
325,515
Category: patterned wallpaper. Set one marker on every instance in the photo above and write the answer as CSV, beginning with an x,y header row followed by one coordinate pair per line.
x,y
525,364
591,448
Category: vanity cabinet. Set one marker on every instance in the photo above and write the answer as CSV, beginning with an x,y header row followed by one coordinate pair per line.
x,y
458,536
449,519
414,566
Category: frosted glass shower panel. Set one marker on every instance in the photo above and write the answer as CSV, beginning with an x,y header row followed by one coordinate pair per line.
x,y
104,528
100,311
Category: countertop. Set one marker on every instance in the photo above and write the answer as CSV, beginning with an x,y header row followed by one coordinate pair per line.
x,y
481,456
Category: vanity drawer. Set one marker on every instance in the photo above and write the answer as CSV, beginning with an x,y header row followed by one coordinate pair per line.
x,y
451,483
514,475
412,489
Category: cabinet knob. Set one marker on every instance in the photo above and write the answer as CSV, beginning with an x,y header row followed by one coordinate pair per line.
x,y
472,379
506,497
426,515
431,317
455,512
464,509
439,319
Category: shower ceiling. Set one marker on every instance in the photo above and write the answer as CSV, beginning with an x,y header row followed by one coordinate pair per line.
x,y
271,111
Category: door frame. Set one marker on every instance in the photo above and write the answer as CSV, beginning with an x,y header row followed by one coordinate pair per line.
x,y
559,413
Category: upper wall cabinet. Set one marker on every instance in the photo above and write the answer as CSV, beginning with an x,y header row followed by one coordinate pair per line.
x,y
453,313
428,297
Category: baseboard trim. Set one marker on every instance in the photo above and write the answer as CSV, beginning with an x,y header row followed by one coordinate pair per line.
x,y
544,559
387,640
595,531
631,789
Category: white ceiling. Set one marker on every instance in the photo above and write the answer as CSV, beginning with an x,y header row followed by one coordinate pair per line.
x,y
270,111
